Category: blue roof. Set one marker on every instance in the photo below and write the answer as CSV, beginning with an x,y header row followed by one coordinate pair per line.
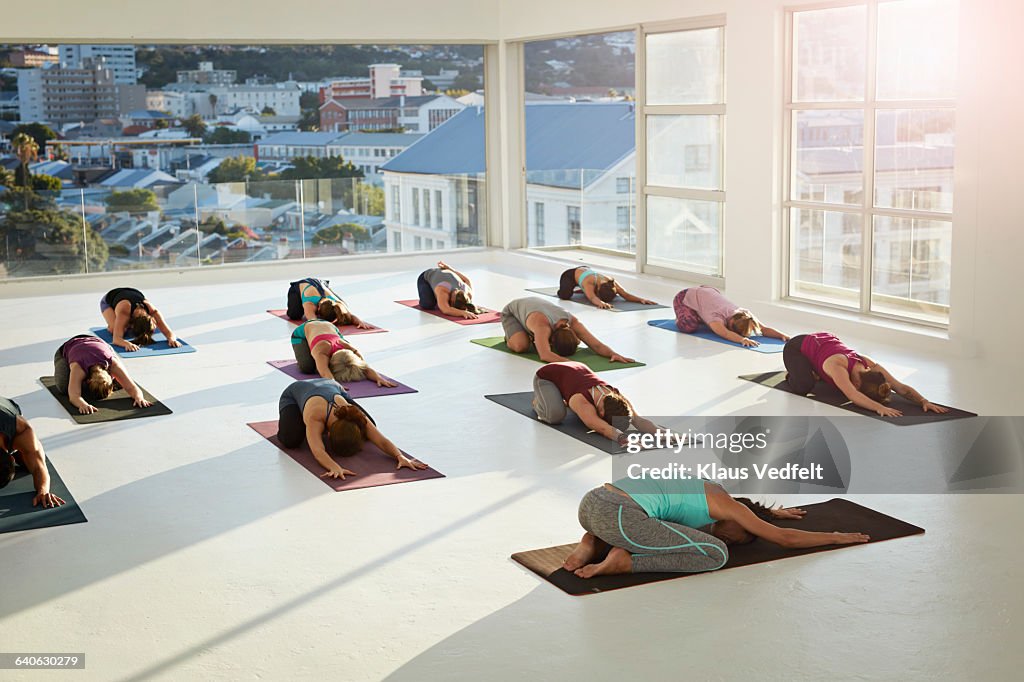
x,y
593,136
378,139
303,138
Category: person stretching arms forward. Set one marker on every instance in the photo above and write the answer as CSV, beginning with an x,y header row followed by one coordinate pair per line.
x,y
809,357
533,321
314,299
88,362
572,385
321,349
448,290
126,308
653,528
599,289
314,408
706,305
20,446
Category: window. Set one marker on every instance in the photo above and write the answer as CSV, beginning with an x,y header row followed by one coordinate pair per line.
x,y
572,217
416,207
870,164
437,208
396,204
426,208
623,185
684,122
538,223
622,217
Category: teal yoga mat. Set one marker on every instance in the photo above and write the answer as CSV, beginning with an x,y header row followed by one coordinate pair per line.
x,y
767,345
160,346
17,512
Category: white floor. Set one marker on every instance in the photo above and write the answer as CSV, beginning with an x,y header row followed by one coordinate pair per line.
x,y
210,555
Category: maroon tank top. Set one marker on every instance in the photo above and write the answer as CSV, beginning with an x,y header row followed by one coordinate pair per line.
x,y
571,378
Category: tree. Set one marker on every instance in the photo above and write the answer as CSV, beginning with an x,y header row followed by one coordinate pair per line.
x,y
268,111
309,100
6,177
224,135
235,169
161,124
368,199
455,94
59,239
466,81
38,132
194,125
312,168
46,183
132,201
309,120
27,150
335,234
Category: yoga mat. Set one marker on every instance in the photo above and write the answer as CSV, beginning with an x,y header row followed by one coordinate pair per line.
x,y
373,466
115,408
17,512
768,345
597,363
485,314
356,389
346,330
828,394
619,305
159,347
835,515
571,426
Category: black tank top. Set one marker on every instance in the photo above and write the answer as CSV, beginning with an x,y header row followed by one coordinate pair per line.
x,y
133,296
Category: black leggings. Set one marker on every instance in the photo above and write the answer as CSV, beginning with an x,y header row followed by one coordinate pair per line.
x,y
800,375
295,311
291,429
567,284
428,299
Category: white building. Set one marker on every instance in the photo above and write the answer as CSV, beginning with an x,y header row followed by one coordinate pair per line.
x,y
369,151
120,59
177,104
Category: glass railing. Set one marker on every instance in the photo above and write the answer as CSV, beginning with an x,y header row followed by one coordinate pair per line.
x,y
582,207
101,229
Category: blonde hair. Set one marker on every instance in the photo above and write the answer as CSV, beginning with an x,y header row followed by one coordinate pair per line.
x,y
347,366
98,383
744,323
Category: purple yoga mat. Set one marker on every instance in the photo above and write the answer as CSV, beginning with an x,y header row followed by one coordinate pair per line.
x,y
346,330
373,467
485,314
356,389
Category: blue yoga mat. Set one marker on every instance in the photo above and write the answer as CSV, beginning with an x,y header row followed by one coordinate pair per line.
x,y
768,345
160,346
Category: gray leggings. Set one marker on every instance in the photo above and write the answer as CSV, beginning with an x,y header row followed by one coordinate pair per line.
x,y
656,545
548,402
304,358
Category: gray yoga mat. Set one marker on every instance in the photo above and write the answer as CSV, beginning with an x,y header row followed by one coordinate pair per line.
x,y
619,305
17,512
116,407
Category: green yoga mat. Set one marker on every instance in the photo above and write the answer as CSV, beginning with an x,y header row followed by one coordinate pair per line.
x,y
17,512
588,357
115,408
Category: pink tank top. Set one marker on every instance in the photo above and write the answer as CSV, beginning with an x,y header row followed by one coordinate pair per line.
x,y
821,346
337,342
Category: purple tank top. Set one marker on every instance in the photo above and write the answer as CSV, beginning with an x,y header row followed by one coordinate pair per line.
x,y
821,346
88,351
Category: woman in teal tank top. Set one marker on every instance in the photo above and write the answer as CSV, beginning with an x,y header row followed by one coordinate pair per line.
x,y
681,526
599,289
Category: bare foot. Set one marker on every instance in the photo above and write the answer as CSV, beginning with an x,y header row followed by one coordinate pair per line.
x,y
618,561
589,549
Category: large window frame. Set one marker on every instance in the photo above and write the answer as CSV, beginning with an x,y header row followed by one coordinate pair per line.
x,y
866,210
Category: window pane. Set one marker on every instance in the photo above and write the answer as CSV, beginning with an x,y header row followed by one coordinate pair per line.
x,y
682,233
685,67
684,151
828,54
914,159
825,257
911,266
917,45
829,156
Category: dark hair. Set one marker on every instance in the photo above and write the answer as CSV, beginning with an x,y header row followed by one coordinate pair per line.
x,y
874,385
143,327
346,435
616,406
760,511
325,310
7,464
564,341
606,290
460,301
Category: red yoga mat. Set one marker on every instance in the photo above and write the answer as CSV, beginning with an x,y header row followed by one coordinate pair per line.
x,y
356,389
484,317
346,330
373,467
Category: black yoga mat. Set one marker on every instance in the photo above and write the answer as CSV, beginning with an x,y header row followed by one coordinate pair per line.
x,y
828,394
116,407
572,425
619,305
835,515
17,512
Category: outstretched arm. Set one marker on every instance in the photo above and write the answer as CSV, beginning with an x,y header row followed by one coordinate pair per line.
x,y
906,390
372,375
773,333
542,342
630,297
75,389
596,344
785,537
120,324
729,335
443,295
590,291
589,416
164,328
323,364
315,439
34,459
374,435
118,371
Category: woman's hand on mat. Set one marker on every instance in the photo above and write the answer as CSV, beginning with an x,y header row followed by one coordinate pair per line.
x,y
888,411
141,401
406,463
615,357
468,315
173,342
849,538
128,346
338,472
381,381
937,409
789,513
363,325
85,408
47,500
603,305
749,342
647,301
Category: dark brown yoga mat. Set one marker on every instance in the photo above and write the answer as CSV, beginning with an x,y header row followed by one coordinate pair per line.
x,y
835,515
345,329
825,393
484,315
115,408
373,467
619,305
17,512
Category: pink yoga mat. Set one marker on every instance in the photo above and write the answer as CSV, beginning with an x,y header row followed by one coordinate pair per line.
x,y
356,389
372,466
346,330
485,315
